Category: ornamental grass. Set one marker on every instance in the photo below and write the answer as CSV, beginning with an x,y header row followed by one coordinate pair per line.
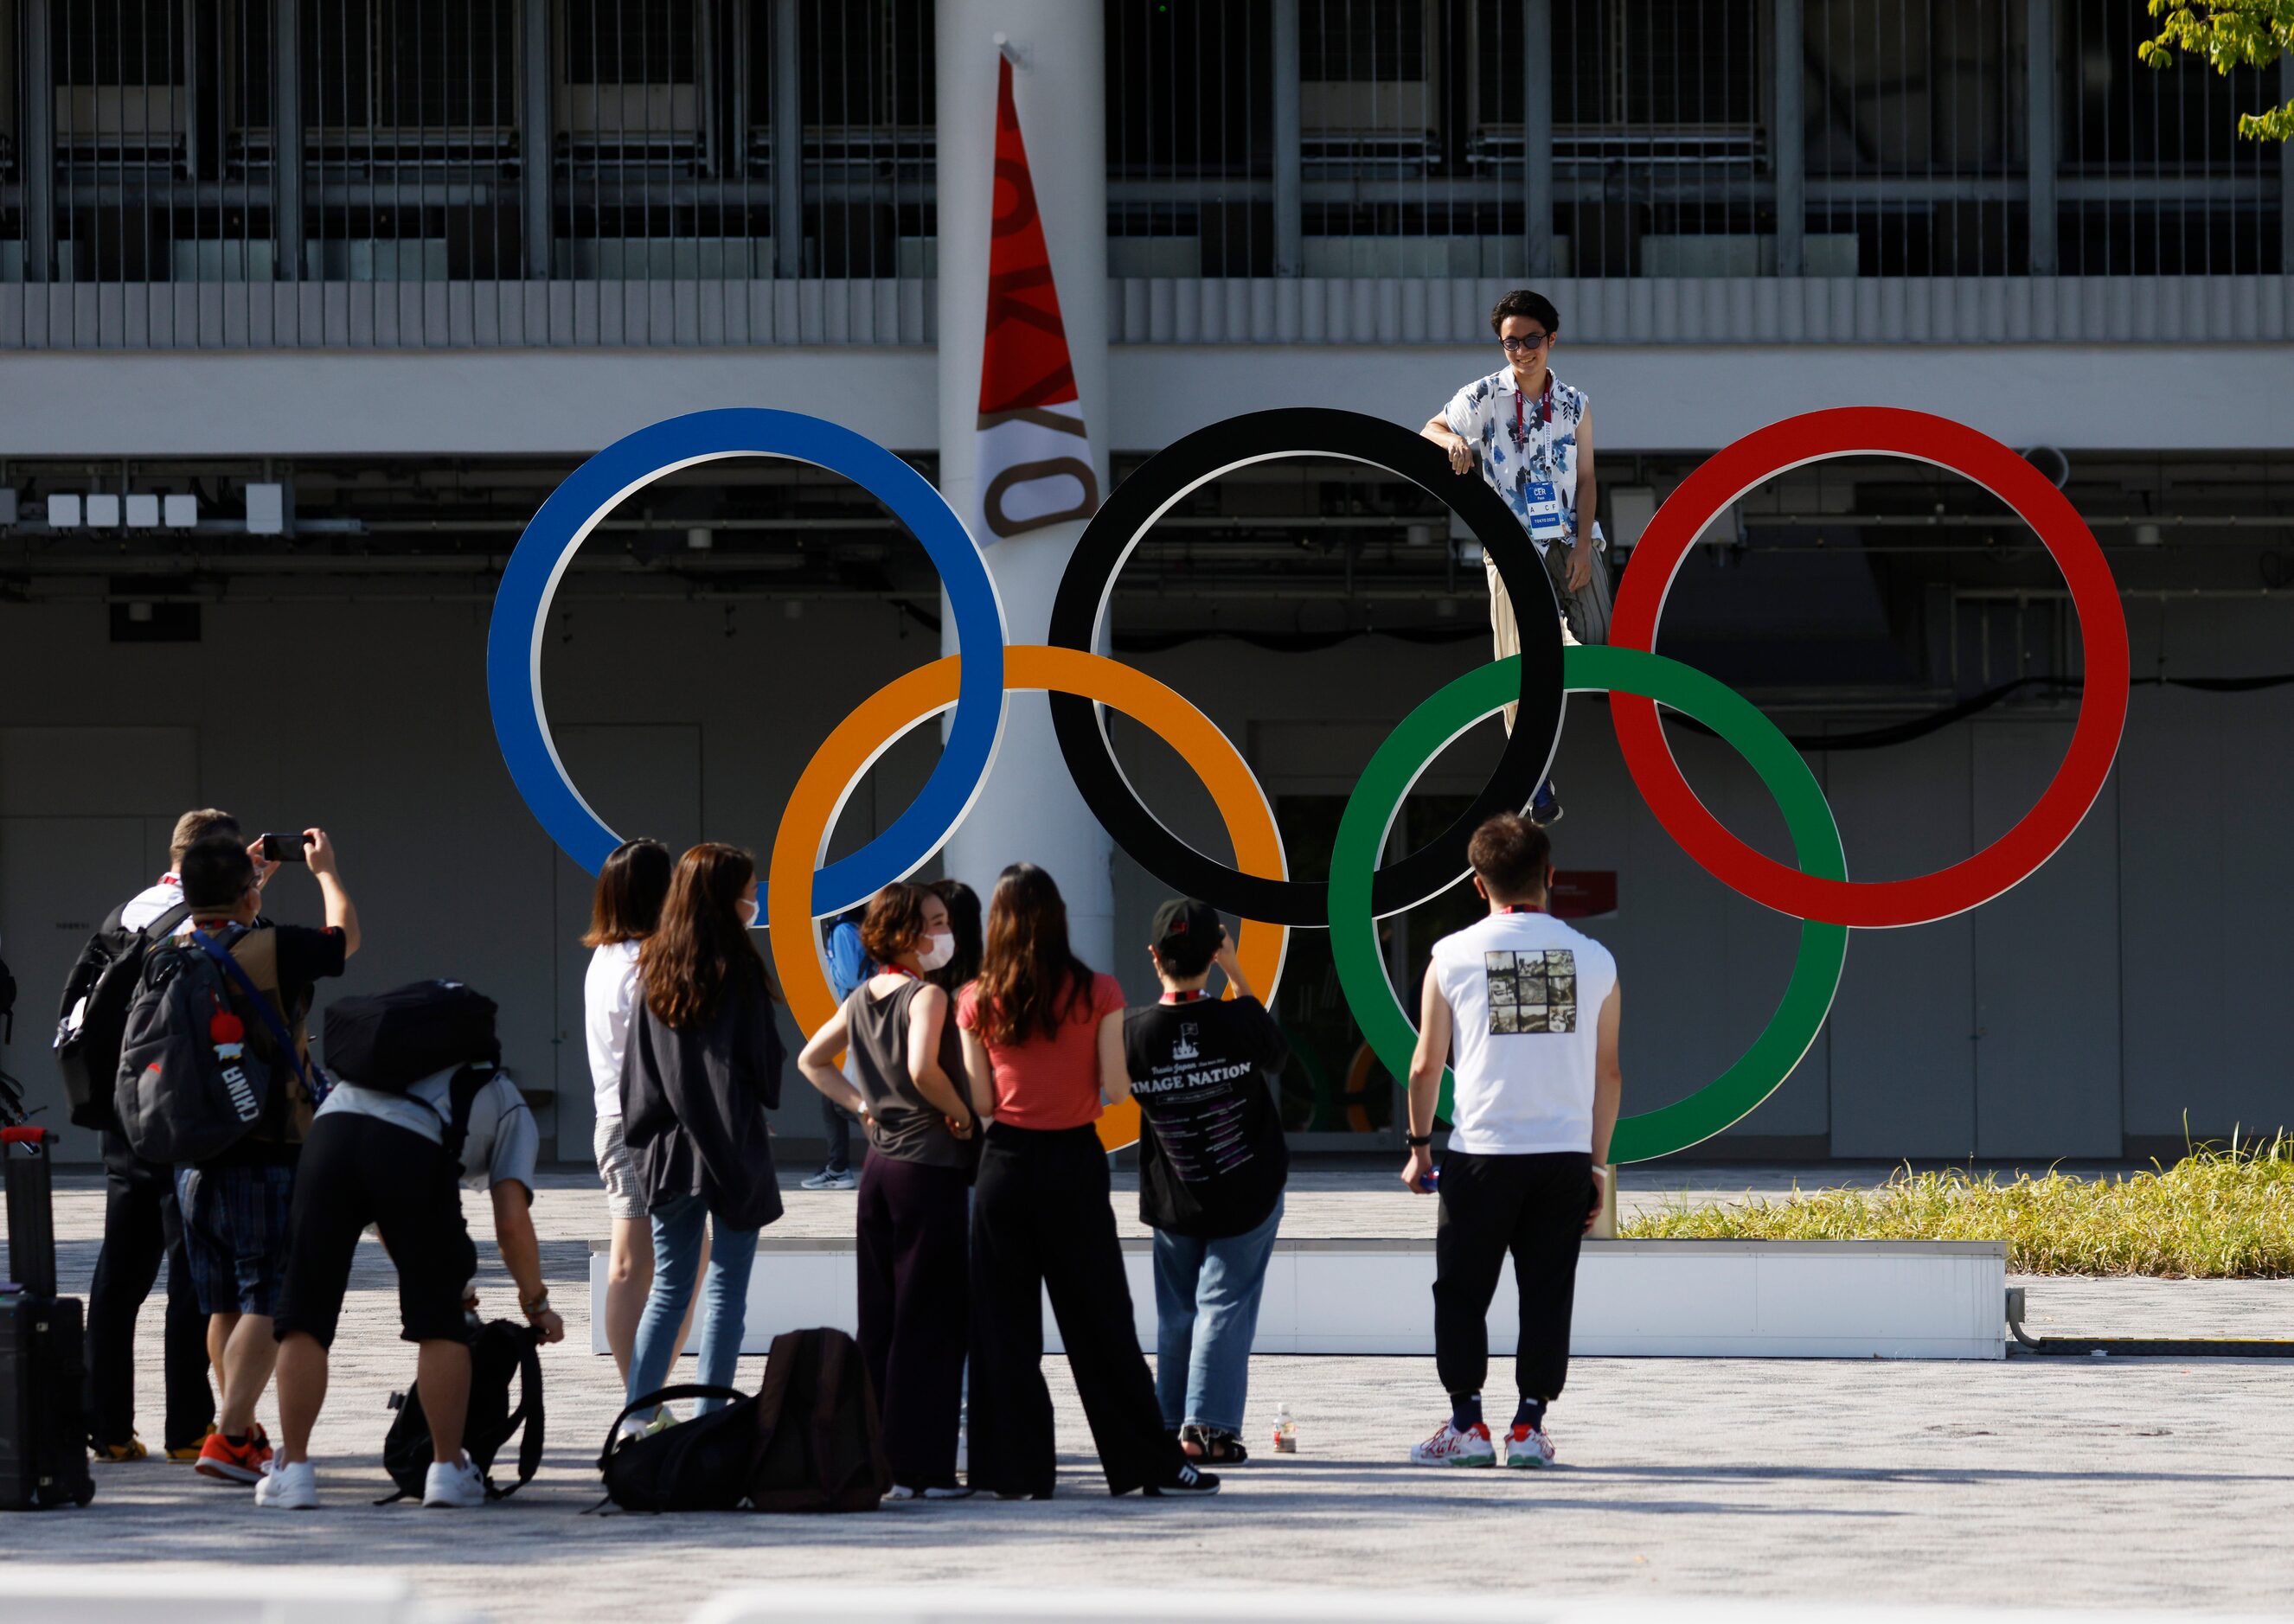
x,y
2220,1212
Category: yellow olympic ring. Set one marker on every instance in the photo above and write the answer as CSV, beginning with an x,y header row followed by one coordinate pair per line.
x,y
836,768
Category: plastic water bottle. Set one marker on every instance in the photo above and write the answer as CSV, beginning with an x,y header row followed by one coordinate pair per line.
x,y
1285,1431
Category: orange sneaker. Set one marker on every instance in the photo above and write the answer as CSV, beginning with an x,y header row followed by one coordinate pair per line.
x,y
234,1463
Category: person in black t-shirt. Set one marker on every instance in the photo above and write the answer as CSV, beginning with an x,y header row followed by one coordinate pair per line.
x,y
1212,1164
236,1207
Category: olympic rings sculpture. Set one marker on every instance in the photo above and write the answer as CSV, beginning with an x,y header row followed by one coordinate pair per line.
x,y
800,886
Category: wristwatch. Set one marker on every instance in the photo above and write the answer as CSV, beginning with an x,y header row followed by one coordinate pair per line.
x,y
538,1307
1417,1142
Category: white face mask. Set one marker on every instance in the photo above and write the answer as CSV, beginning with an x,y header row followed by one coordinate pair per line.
x,y
751,912
938,949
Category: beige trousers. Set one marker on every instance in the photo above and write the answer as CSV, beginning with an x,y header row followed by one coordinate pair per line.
x,y
1585,617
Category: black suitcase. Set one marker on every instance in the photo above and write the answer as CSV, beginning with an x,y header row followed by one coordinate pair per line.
x,y
393,1040
43,1361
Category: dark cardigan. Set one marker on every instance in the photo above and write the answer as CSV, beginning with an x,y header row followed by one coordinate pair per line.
x,y
694,1102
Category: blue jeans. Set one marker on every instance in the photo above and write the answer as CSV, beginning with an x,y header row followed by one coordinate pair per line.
x,y
677,1230
1206,1314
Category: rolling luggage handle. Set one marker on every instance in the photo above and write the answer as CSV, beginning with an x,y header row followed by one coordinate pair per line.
x,y
31,1213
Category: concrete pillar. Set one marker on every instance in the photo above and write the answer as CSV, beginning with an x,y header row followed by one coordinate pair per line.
x,y
1290,146
2039,60
287,227
39,155
537,138
1028,807
1538,85
1787,140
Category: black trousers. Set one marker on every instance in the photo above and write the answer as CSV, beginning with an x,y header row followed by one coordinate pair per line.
x,y
1534,1207
1041,1218
916,1305
143,1225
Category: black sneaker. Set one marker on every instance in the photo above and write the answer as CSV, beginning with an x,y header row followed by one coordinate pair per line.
x,y
1545,807
1190,1481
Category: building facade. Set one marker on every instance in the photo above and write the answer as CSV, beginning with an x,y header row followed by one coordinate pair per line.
x,y
306,305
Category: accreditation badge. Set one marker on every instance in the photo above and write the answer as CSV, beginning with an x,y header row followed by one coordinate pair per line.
x,y
1544,513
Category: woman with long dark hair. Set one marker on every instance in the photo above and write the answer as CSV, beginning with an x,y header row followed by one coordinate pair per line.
x,y
703,1067
624,910
1043,1044
914,1273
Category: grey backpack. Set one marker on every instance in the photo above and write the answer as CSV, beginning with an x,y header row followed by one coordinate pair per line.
x,y
195,1078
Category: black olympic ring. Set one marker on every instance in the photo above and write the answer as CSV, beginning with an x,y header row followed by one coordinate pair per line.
x,y
1262,437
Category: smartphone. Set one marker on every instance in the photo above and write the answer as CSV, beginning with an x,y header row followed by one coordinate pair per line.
x,y
282,849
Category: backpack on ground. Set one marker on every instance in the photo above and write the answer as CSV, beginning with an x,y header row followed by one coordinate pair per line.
x,y
806,1441
822,1450
196,1072
499,1351
391,1041
92,1020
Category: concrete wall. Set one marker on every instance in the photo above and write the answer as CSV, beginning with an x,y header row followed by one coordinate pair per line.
x,y
1648,397
2140,976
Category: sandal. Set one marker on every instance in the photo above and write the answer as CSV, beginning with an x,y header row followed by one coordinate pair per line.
x,y
1212,1446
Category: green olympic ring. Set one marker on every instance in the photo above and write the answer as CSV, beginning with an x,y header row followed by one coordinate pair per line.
x,y
1428,730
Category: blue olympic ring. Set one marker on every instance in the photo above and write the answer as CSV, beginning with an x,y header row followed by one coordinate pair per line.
x,y
547,548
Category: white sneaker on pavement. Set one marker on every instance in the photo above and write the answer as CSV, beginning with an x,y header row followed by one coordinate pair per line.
x,y
1449,1446
454,1486
288,1487
1528,1447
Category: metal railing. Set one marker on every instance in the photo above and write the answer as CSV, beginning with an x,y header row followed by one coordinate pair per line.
x,y
694,171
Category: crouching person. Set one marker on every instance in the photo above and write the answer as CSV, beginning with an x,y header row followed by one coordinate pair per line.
x,y
392,1155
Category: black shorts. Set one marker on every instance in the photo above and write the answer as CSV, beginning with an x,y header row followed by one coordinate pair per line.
x,y
359,1170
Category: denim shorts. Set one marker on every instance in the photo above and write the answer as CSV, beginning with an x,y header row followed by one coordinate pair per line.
x,y
235,1228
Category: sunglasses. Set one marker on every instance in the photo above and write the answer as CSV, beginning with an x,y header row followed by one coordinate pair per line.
x,y
1523,346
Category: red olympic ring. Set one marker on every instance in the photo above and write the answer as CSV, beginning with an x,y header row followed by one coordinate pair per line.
x,y
1849,431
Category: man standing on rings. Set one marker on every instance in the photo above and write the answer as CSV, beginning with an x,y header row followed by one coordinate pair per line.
x,y
1532,436
1531,1008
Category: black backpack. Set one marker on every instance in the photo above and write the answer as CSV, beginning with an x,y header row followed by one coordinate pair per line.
x,y
499,1351
391,1041
202,1059
104,980
806,1441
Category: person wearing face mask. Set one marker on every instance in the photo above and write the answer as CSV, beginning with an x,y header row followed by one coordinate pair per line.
x,y
702,1067
914,1272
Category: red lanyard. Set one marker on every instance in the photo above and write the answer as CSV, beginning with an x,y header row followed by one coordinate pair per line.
x,y
1185,994
902,969
1544,411
1521,907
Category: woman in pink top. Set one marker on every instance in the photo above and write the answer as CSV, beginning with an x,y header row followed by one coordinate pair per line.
x,y
1043,1049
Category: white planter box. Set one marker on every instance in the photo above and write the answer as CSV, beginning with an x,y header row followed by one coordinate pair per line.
x,y
1714,1299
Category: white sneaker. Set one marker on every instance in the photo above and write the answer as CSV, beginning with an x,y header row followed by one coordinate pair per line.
x,y
1449,1446
455,1486
1528,1447
287,1487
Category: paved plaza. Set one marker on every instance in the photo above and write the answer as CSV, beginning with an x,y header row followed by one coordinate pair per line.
x,y
2052,1482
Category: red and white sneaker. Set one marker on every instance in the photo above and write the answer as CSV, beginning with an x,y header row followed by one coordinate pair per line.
x,y
1449,1446
1528,1446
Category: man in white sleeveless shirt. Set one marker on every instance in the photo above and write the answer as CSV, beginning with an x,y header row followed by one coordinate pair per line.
x,y
1531,1008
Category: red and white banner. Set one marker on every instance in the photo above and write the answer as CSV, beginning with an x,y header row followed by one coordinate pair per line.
x,y
1034,455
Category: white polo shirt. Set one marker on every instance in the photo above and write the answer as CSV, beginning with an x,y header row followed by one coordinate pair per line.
x,y
1525,994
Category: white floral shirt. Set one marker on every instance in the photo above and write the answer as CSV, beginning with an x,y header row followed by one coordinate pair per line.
x,y
1541,449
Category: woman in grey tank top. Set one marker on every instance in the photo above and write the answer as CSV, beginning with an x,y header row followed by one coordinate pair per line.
x,y
912,1225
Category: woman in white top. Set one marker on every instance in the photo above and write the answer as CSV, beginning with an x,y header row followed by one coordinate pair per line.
x,y
631,888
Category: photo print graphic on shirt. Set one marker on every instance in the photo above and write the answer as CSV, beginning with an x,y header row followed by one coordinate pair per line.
x,y
1530,992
